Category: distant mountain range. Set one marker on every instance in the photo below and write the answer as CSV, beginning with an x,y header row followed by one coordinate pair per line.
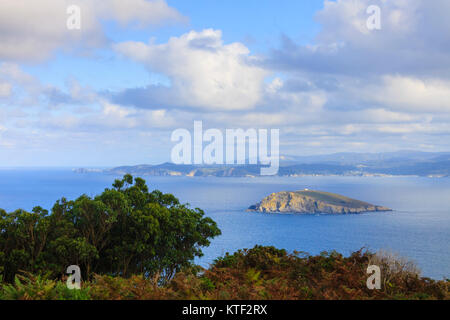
x,y
406,163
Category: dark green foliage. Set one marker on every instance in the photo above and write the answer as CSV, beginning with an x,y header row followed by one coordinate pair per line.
x,y
31,287
124,231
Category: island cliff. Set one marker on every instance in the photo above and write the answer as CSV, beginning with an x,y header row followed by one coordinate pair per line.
x,y
311,202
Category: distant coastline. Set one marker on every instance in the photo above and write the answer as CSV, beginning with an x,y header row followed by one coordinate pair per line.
x,y
405,163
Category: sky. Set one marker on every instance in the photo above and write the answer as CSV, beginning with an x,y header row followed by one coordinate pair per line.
x,y
112,92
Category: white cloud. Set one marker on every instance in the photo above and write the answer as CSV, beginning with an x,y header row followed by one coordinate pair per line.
x,y
204,72
5,89
14,73
389,86
33,30
18,88
386,116
413,40
140,12
114,116
14,79
412,94
346,20
394,93
303,102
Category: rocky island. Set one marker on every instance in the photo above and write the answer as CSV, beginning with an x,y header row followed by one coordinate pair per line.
x,y
311,202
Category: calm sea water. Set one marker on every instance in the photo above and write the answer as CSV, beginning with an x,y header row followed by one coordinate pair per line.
x,y
418,229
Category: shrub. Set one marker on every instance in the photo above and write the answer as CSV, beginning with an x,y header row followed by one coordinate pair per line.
x,y
244,275
29,287
395,270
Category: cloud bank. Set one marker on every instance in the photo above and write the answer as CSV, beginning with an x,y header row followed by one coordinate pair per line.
x,y
351,89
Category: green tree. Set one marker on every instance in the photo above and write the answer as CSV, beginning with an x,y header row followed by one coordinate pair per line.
x,y
123,231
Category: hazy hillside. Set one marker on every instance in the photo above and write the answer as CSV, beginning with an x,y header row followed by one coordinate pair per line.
x,y
353,164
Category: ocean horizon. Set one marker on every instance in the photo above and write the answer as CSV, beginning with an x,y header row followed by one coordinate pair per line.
x,y
418,228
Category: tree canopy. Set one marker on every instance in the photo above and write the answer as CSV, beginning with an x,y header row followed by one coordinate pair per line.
x,y
126,230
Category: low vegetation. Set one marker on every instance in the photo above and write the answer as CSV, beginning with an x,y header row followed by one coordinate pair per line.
x,y
261,273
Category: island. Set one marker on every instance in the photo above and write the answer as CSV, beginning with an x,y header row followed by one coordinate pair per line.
x,y
313,202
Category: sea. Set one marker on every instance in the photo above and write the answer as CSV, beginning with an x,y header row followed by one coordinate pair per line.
x,y
418,228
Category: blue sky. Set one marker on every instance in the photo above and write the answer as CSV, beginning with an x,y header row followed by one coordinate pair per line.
x,y
112,92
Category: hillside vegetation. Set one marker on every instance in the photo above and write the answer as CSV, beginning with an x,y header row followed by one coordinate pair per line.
x,y
261,273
